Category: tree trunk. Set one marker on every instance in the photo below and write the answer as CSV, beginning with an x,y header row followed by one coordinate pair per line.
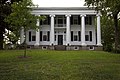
x,y
116,33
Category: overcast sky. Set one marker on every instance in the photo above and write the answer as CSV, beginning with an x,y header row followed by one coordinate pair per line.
x,y
59,3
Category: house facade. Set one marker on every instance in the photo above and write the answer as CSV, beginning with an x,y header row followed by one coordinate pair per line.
x,y
65,28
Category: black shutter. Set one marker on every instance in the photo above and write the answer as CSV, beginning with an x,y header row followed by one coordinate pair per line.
x,y
79,20
71,35
29,35
48,20
71,20
79,35
90,33
64,20
41,22
48,34
40,35
90,20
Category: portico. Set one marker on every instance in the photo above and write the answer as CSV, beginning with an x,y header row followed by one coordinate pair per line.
x,y
73,27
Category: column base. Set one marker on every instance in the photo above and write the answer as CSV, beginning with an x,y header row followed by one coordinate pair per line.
x,y
83,44
99,44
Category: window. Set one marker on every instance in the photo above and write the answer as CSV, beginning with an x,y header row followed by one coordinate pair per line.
x,y
46,21
75,37
44,37
88,20
33,38
75,19
86,37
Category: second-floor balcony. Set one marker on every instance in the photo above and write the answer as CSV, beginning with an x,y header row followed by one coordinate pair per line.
x,y
60,25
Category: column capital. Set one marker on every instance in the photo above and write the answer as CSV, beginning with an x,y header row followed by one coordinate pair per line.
x,y
83,15
98,15
52,15
68,15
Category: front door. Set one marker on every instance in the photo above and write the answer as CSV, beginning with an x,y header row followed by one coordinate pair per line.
x,y
60,39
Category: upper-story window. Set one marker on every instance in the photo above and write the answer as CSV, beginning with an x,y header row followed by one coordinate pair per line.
x,y
75,19
46,21
88,20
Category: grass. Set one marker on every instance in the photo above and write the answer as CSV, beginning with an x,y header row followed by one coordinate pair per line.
x,y
59,65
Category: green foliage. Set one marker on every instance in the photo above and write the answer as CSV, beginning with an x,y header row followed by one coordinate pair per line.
x,y
21,16
59,65
111,7
107,25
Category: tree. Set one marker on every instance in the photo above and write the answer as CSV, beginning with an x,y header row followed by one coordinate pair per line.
x,y
5,10
21,17
112,7
107,26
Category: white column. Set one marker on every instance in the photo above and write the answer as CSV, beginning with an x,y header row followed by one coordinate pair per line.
x,y
68,29
22,35
98,31
83,30
52,30
37,33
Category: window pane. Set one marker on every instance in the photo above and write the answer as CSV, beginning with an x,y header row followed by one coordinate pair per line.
x,y
60,21
44,37
75,37
33,38
86,37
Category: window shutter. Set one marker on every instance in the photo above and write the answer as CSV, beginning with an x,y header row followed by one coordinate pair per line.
x,y
90,20
79,20
29,36
90,33
48,20
48,34
79,35
71,20
71,35
40,35
41,22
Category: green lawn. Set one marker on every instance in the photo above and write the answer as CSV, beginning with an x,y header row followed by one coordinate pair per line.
x,y
59,65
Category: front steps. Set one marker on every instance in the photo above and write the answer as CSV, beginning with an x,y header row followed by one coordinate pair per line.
x,y
60,47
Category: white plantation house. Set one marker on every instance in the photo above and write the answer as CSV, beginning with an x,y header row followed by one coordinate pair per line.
x,y
66,28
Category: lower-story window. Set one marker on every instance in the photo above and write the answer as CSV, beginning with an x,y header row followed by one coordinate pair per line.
x,y
44,35
75,36
88,36
32,36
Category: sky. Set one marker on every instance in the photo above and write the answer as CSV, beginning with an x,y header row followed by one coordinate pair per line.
x,y
59,3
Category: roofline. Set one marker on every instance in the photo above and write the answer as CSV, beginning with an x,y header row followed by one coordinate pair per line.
x,y
63,8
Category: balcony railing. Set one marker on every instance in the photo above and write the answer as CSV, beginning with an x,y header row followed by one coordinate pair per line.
x,y
60,25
